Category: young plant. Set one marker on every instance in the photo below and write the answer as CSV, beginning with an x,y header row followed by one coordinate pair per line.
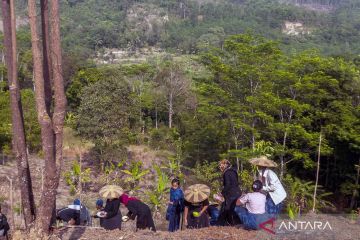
x,y
76,178
157,195
134,174
300,196
209,174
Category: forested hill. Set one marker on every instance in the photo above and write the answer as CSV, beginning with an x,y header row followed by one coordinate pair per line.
x,y
188,26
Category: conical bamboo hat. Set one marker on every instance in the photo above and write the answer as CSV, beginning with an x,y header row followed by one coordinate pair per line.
x,y
197,193
263,161
111,191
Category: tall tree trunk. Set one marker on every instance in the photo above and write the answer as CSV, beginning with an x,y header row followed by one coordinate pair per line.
x,y
156,117
171,109
47,136
59,88
253,134
237,157
355,191
46,54
282,161
51,124
19,140
317,172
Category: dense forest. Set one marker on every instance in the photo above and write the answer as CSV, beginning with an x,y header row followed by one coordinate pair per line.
x,y
185,26
232,83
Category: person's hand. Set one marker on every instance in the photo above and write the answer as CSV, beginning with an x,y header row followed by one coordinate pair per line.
x,y
185,222
171,202
238,202
219,197
71,222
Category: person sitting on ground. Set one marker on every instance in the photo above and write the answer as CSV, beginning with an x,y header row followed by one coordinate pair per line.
x,y
70,214
99,207
4,225
112,215
253,214
138,210
176,206
214,213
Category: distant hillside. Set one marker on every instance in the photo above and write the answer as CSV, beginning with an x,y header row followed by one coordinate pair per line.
x,y
189,26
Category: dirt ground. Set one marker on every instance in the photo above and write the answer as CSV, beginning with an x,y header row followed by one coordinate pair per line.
x,y
205,233
338,228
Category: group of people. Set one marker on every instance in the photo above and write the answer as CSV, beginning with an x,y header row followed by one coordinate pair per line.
x,y
249,209
110,216
192,208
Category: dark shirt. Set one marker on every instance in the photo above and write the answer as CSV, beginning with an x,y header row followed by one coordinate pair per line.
x,y
4,225
66,214
231,183
112,207
136,208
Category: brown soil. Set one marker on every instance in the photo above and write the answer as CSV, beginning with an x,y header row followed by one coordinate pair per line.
x,y
342,228
205,233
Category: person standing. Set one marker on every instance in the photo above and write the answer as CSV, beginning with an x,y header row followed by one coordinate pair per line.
x,y
231,192
176,206
276,193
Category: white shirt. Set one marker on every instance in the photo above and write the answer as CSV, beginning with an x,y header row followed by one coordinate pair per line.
x,y
254,202
273,186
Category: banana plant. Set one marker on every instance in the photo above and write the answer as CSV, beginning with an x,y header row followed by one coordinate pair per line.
x,y
300,197
157,195
134,174
77,177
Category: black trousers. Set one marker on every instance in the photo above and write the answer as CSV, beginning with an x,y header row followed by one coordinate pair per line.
x,y
227,216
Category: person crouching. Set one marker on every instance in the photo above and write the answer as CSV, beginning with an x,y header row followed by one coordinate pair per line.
x,y
112,219
140,211
253,214
4,225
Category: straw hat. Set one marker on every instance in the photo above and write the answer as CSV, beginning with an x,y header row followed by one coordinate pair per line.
x,y
197,193
111,191
263,161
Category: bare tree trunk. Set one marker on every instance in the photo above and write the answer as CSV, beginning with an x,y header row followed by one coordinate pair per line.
x,y
59,89
19,140
253,134
171,109
317,172
51,124
46,54
355,191
237,157
282,163
156,117
43,117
